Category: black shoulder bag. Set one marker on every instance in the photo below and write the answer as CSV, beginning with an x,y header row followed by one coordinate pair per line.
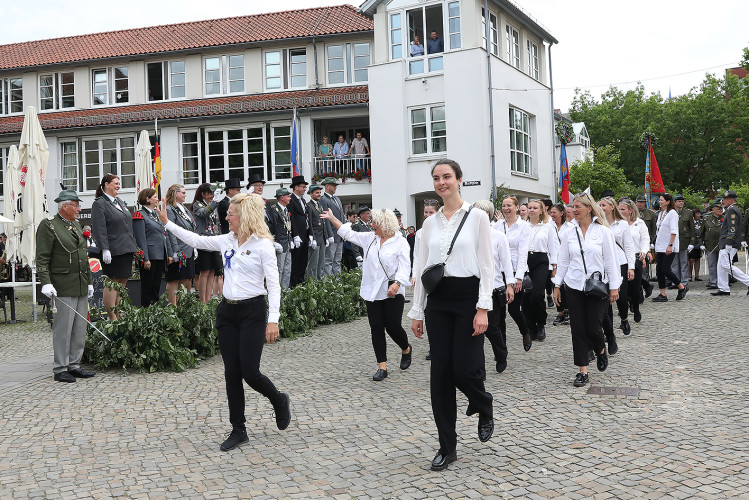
x,y
594,286
432,275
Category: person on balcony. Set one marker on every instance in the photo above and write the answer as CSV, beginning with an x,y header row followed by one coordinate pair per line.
x,y
325,149
360,148
435,45
417,49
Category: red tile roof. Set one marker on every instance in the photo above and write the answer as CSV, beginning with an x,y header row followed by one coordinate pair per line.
x,y
190,109
184,36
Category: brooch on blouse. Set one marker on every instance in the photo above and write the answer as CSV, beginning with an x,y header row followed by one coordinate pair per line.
x,y
228,255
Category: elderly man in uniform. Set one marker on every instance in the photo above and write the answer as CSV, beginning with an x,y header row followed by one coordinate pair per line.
x,y
687,238
319,241
365,216
334,250
709,240
730,240
649,218
279,224
300,230
232,188
62,266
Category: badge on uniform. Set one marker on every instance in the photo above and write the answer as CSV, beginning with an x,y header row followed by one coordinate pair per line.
x,y
228,256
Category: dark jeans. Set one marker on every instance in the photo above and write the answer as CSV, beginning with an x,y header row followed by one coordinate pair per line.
x,y
150,282
241,335
299,257
496,331
385,315
534,307
586,318
663,270
457,355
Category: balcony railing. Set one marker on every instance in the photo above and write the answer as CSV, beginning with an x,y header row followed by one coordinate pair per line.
x,y
355,167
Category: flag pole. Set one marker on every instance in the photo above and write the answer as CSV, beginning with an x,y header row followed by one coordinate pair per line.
x,y
648,193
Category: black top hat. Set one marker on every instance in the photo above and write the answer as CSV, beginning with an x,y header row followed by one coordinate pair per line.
x,y
253,179
607,193
232,183
362,209
298,179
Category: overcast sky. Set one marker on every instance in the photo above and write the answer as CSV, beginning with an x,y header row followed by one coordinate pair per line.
x,y
663,43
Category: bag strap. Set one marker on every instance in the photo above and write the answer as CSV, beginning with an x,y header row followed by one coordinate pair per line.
x,y
457,232
383,266
582,252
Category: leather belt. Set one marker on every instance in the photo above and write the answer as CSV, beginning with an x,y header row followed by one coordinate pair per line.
x,y
243,301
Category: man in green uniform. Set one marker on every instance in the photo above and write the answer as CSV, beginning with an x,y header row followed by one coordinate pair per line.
x,y
730,240
687,241
708,241
62,265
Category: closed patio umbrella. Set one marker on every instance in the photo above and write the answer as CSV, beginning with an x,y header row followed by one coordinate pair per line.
x,y
11,194
143,171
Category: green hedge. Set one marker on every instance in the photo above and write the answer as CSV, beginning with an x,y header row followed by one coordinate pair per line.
x,y
167,338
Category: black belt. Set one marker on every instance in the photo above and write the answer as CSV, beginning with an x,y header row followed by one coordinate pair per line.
x,y
244,301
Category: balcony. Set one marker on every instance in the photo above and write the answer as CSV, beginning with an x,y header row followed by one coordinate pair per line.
x,y
357,167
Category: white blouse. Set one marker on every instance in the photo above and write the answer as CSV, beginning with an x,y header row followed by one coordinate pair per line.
x,y
471,255
382,262
598,245
624,246
252,263
640,236
544,240
667,223
502,260
414,264
518,236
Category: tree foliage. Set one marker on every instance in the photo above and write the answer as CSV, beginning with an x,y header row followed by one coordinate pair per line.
x,y
600,173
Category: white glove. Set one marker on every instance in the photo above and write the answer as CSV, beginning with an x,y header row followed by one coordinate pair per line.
x,y
327,243
312,243
49,290
106,256
90,291
702,247
218,192
744,244
278,247
359,258
729,247
175,257
331,240
652,247
359,264
690,248
195,253
297,242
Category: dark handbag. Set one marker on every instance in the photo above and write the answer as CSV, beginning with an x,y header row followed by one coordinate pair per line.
x,y
594,286
432,275
527,283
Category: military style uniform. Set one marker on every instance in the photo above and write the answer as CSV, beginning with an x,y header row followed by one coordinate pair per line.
x,y
320,234
708,241
62,262
649,218
686,237
360,227
279,224
730,240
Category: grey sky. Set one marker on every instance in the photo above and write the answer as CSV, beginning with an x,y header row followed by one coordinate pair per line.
x,y
601,42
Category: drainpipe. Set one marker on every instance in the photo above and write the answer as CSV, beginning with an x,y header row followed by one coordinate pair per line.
x,y
491,102
314,46
553,133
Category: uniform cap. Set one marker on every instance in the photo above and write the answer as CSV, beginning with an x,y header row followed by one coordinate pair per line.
x,y
281,192
67,195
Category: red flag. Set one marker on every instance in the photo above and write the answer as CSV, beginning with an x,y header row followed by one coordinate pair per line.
x,y
564,175
655,181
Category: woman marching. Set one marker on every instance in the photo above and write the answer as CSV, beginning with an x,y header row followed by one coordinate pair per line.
x,y
430,208
206,224
385,273
561,224
518,233
667,247
249,259
455,308
182,269
625,254
542,252
641,238
587,252
156,245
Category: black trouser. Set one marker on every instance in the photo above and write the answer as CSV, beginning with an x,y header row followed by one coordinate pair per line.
x,y
663,269
150,282
645,275
496,331
241,335
534,307
457,355
586,318
634,290
563,300
621,303
348,259
516,314
386,315
299,264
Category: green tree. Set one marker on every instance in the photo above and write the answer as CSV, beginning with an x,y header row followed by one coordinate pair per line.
x,y
600,173
742,192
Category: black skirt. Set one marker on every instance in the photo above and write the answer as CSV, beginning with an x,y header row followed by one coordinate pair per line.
x,y
208,261
174,273
120,267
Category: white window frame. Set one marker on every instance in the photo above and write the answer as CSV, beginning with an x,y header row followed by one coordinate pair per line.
x,y
453,36
225,173
533,66
57,88
4,153
274,166
111,83
349,61
6,101
429,126
224,73
198,157
118,162
396,46
167,80
518,163
493,31
512,38
284,64
70,182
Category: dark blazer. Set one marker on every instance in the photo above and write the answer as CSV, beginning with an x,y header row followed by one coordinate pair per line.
x,y
187,222
206,218
317,226
359,227
279,224
151,235
333,203
61,257
112,228
299,221
730,230
223,209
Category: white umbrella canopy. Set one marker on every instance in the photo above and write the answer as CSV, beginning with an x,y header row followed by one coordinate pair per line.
x,y
33,155
11,196
143,172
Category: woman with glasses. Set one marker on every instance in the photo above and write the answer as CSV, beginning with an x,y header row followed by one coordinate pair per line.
x,y
542,252
641,239
206,224
430,208
667,247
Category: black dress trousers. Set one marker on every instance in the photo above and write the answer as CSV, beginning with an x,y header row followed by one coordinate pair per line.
x,y
150,282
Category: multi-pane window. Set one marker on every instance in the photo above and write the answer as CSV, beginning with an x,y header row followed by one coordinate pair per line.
x,y
513,46
69,164
493,33
453,24
396,37
56,90
166,80
281,151
285,69
190,158
110,85
237,153
108,156
532,50
11,95
347,63
422,22
520,142
3,167
223,74
428,130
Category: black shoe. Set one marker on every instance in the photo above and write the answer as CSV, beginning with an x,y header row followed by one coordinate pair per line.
x,y
407,301
429,356
237,437
558,320
720,292
681,294
380,375
660,298
527,342
566,319
549,302
580,379
638,316
541,334
64,377
441,461
283,412
711,287
501,366
698,279
406,358
613,346
486,428
626,329
602,361
672,287
81,373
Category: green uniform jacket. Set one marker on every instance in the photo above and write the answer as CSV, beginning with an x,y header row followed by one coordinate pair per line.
x,y
710,233
686,229
649,218
61,257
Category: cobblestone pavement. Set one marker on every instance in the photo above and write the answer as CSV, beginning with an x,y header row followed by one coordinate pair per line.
x,y
157,435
